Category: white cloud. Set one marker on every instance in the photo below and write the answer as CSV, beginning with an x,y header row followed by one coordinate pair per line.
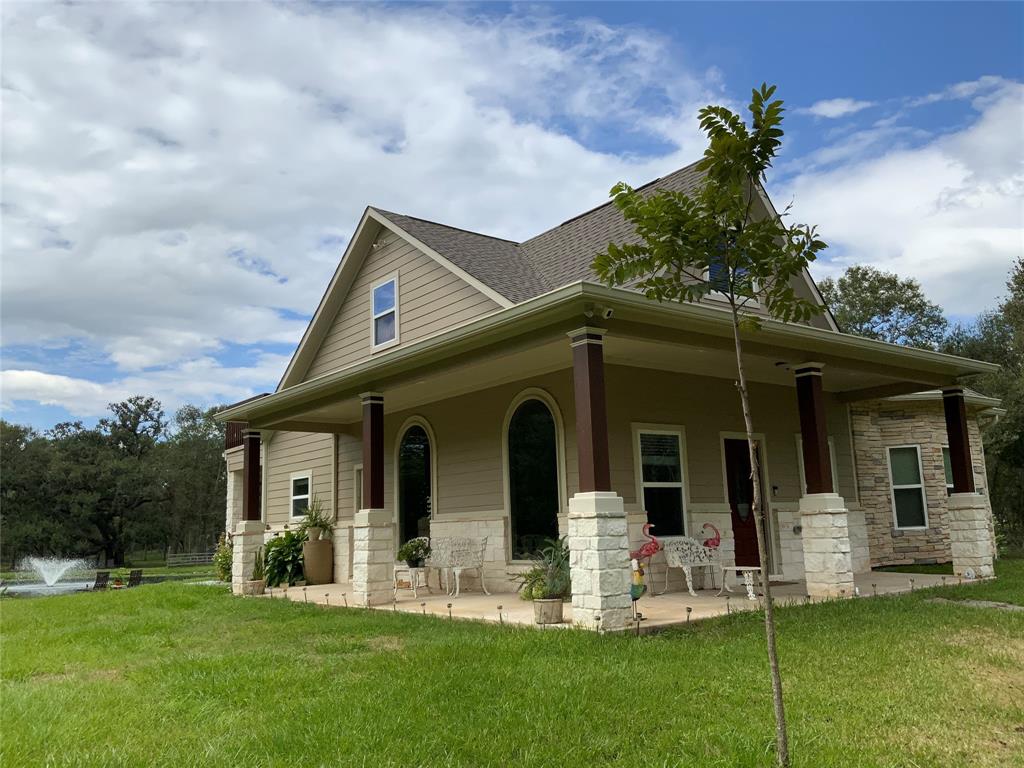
x,y
176,175
202,380
948,212
833,108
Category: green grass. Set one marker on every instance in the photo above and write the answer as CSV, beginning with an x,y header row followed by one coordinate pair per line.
x,y
179,571
180,675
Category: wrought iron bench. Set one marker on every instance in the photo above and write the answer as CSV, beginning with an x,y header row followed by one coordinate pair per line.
x,y
457,554
688,553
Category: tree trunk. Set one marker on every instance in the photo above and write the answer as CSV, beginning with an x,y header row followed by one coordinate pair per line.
x,y
781,737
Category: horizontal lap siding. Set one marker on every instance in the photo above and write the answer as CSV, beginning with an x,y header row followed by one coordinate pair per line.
x,y
290,452
431,300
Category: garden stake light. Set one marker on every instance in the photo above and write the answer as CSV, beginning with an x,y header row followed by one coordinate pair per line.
x,y
728,605
501,619
423,606
689,610
911,585
943,581
344,595
305,596
449,610
874,590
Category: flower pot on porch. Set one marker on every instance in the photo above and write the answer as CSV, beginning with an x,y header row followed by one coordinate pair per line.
x,y
547,611
254,587
313,534
318,561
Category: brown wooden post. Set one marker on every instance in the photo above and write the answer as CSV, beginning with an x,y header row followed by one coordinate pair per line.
x,y
813,428
591,413
251,470
373,450
959,439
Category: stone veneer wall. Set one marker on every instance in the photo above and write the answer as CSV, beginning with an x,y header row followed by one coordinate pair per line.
x,y
879,424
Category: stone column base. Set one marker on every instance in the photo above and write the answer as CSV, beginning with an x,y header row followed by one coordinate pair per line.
x,y
246,542
970,536
828,562
373,557
599,561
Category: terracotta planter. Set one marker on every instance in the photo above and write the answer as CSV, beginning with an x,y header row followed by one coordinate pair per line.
x,y
547,611
254,587
318,561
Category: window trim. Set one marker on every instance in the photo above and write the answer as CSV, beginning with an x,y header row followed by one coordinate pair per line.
x,y
414,421
307,475
679,431
531,393
920,486
803,473
943,450
357,487
374,346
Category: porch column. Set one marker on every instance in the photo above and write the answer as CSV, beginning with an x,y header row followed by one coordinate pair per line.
x,y
828,559
249,532
373,554
598,537
970,537
251,467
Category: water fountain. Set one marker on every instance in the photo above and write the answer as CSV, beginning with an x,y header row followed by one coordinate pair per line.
x,y
50,571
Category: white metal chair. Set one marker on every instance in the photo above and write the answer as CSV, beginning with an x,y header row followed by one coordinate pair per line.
x,y
687,553
457,554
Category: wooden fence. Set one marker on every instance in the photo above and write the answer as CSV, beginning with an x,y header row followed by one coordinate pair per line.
x,y
189,558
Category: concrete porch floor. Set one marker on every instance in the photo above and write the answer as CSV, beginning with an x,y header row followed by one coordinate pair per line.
x,y
659,611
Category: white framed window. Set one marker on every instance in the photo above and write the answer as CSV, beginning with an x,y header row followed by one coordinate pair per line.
x,y
357,487
660,459
384,311
947,468
909,504
831,460
301,492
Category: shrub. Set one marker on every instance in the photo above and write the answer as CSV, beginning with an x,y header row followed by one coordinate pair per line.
x,y
316,517
548,579
222,558
283,559
415,551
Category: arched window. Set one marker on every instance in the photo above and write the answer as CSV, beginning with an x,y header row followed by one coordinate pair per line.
x,y
532,477
414,484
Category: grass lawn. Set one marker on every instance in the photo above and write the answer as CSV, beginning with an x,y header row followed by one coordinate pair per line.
x,y
181,675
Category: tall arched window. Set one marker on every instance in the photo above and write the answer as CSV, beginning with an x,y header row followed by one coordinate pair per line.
x,y
532,477
414,484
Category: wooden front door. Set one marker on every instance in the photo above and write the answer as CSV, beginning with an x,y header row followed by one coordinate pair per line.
x,y
741,496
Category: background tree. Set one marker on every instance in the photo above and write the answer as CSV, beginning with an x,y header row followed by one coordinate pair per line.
x,y
998,337
711,240
26,515
194,476
882,305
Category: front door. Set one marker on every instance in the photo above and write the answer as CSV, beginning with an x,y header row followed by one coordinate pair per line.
x,y
741,497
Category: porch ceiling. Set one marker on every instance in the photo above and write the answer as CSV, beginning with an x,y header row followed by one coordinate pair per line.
x,y
529,339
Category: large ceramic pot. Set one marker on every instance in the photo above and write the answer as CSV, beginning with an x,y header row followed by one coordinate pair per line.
x,y
313,534
254,587
318,561
547,611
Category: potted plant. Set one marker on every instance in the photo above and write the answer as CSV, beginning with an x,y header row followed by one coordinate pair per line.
x,y
283,559
415,552
317,521
547,583
257,584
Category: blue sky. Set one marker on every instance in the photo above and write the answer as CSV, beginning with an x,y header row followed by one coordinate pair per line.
x,y
180,180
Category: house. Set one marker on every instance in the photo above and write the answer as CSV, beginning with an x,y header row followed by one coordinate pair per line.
x,y
451,383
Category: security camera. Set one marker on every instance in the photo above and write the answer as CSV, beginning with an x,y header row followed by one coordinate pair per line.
x,y
607,313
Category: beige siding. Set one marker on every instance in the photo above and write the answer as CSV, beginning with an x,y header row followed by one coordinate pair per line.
x,y
469,453
290,452
431,299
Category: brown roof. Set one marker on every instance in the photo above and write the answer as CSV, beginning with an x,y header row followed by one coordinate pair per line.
x,y
550,260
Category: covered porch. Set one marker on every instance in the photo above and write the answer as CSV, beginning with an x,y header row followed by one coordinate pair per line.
x,y
610,367
658,612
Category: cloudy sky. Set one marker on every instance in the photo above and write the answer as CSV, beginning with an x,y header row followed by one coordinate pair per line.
x,y
179,180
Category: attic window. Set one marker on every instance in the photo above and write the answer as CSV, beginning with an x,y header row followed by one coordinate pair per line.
x,y
384,323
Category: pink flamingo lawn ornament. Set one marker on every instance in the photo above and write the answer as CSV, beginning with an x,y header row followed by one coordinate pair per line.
x,y
714,541
650,548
